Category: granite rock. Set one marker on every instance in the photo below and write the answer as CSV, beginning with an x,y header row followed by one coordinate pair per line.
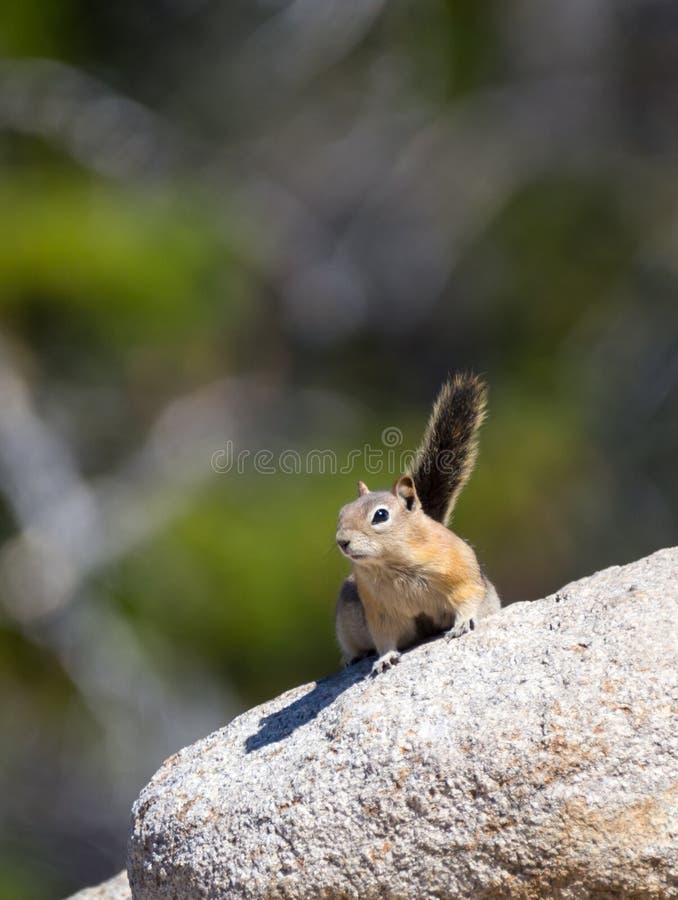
x,y
534,757
115,889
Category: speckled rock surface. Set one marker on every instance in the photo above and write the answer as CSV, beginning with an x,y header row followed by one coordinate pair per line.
x,y
535,757
115,889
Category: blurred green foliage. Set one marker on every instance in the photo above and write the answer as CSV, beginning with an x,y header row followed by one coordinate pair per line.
x,y
254,603
201,207
126,267
37,27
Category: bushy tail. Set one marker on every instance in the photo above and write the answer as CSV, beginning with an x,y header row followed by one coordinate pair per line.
x,y
449,447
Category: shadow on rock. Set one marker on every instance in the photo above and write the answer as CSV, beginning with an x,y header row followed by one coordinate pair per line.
x,y
281,724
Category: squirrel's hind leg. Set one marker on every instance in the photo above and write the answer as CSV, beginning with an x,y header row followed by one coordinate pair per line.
x,y
353,635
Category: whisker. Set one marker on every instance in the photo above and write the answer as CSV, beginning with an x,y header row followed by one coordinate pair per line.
x,y
330,549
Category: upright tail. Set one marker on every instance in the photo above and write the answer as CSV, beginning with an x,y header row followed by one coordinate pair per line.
x,y
449,447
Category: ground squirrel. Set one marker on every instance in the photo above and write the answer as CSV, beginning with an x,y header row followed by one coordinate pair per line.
x,y
413,577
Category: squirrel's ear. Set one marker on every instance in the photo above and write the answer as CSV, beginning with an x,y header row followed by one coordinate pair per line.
x,y
406,492
362,489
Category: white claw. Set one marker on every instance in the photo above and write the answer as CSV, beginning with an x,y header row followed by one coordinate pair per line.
x,y
389,659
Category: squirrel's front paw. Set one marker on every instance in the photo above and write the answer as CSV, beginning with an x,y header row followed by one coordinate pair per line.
x,y
389,659
461,626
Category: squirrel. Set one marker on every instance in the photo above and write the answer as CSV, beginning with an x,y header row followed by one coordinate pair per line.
x,y
412,576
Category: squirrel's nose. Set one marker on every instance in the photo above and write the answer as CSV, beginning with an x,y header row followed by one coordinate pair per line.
x,y
343,544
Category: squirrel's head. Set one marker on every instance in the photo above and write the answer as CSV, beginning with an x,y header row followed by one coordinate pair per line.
x,y
375,527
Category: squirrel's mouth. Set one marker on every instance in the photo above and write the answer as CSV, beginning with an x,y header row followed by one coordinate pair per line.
x,y
355,556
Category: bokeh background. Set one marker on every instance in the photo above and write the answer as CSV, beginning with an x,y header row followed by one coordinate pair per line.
x,y
280,223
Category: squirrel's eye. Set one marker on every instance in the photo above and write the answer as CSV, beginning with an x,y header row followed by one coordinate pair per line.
x,y
380,515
